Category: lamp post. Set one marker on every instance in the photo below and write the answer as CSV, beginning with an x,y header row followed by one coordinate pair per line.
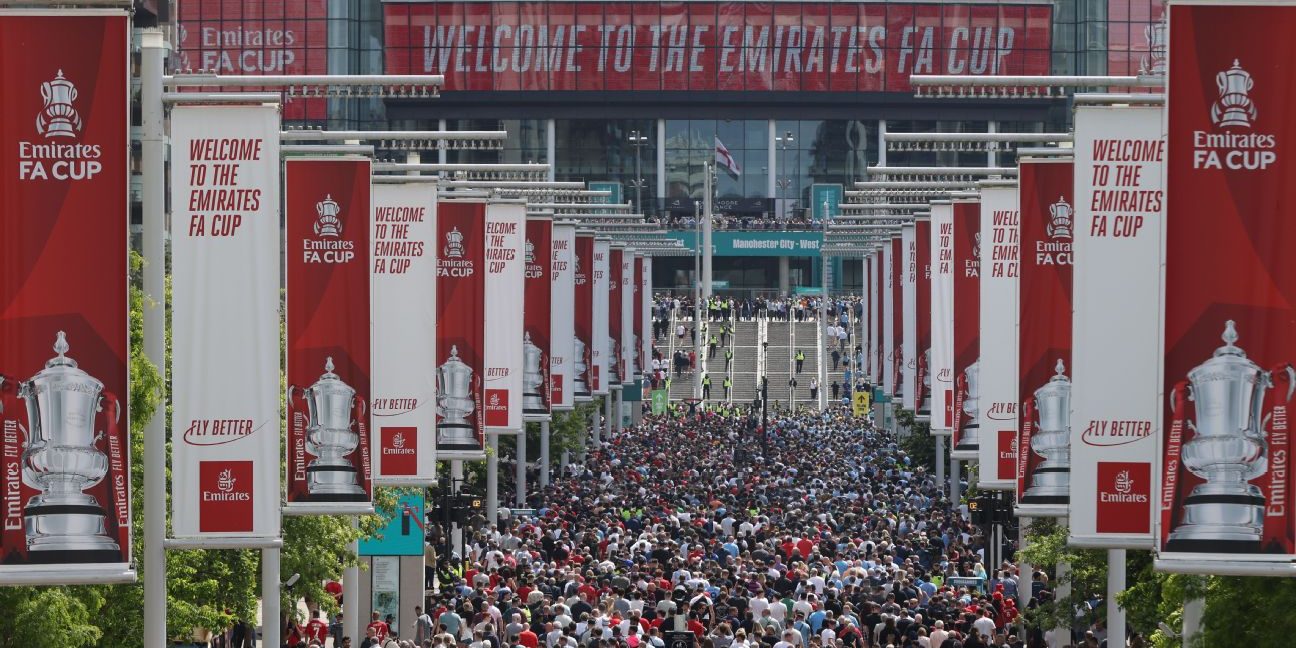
x,y
784,142
639,140
823,314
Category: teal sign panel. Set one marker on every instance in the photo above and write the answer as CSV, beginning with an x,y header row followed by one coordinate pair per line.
x,y
403,535
768,244
614,187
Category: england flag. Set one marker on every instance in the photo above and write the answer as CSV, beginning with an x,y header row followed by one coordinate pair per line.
x,y
725,160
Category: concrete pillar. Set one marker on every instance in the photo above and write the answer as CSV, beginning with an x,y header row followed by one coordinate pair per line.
x,y
954,481
544,454
595,425
456,480
270,607
784,280
351,595
1194,610
1115,585
520,474
1024,569
940,458
492,478
607,410
551,147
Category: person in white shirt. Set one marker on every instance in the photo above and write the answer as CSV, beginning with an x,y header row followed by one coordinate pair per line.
x,y
985,626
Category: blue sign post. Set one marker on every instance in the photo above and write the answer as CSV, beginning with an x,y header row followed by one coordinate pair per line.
x,y
403,535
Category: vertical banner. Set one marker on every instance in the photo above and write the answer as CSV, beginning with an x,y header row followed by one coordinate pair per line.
x,y
1001,262
1230,287
460,330
505,276
328,334
886,373
909,312
645,314
642,335
966,323
941,309
895,317
600,341
537,337
616,312
1116,315
65,444
404,346
225,322
1044,336
562,330
874,335
923,317
585,377
629,342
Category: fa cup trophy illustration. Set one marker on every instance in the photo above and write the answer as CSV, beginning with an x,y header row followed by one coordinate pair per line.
x,y
455,404
614,361
533,375
581,384
1050,484
1154,62
1228,449
59,118
333,411
924,383
61,459
969,387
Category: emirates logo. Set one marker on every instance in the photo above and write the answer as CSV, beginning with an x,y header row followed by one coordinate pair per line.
x,y
225,482
1234,108
495,400
1061,219
1124,483
454,244
398,440
59,117
328,223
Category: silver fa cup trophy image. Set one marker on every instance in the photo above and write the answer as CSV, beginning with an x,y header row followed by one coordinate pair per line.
x,y
61,459
614,361
1051,481
332,408
971,437
533,401
455,404
1225,513
579,382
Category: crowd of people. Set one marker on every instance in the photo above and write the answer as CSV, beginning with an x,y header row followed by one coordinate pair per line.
x,y
821,533
758,222
783,308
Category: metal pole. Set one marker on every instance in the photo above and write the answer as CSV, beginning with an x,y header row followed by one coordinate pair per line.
x,y
492,478
270,612
708,185
153,50
823,318
595,425
544,455
1115,585
607,410
1062,588
954,481
699,345
638,144
1024,569
351,623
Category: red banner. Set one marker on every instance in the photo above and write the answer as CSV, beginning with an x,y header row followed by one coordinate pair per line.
x,y
585,378
1230,284
1044,331
712,46
536,399
922,299
66,461
967,325
328,216
461,316
616,368
256,39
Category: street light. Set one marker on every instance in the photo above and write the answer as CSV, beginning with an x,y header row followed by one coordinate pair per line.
x,y
784,142
639,140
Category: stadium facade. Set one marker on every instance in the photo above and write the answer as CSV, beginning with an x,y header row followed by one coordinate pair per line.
x,y
799,96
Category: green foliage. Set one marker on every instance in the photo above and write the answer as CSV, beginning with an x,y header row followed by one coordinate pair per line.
x,y
918,443
49,616
1046,547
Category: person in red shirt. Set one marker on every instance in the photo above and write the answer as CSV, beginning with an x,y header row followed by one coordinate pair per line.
x,y
316,629
528,638
379,627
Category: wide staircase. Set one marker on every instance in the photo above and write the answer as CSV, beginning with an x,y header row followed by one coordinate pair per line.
x,y
744,372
